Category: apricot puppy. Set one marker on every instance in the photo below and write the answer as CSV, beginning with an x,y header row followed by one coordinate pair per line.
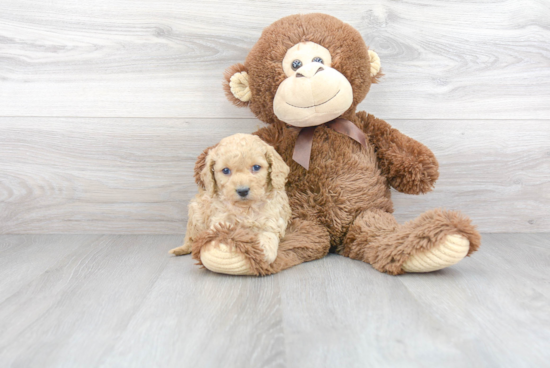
x,y
241,211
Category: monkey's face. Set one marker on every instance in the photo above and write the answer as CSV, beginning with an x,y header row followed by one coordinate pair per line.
x,y
305,70
313,92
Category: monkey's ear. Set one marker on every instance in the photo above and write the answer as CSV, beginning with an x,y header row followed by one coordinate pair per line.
x,y
204,176
236,85
375,67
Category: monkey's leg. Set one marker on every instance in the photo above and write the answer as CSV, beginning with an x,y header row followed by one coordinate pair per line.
x,y
237,251
304,241
434,240
231,250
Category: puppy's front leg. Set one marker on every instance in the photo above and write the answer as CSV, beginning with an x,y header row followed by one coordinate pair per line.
x,y
184,249
187,242
269,242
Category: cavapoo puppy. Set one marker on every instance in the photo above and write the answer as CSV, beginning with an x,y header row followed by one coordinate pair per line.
x,y
241,211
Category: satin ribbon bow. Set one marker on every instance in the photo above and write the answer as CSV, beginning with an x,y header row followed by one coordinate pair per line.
x,y
302,148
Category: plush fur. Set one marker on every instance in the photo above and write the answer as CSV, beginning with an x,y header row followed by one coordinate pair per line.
x,y
219,215
342,203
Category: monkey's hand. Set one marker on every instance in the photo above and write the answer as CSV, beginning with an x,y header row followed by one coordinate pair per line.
x,y
409,166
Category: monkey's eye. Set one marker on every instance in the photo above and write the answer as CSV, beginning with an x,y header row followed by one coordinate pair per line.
x,y
317,59
256,168
226,171
296,64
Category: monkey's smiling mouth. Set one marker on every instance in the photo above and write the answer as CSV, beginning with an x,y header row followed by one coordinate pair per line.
x,y
308,107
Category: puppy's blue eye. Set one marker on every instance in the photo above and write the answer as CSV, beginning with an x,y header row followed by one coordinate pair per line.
x,y
226,171
317,59
256,168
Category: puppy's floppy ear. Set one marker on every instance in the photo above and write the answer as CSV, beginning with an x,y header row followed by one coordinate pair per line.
x,y
204,174
278,169
236,85
375,66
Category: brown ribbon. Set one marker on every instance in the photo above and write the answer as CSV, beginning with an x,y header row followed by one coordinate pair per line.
x,y
304,142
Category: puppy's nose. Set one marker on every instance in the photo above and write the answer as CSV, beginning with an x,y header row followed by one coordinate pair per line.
x,y
243,191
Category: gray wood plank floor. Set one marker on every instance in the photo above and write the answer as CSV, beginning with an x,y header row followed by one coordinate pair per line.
x,y
122,301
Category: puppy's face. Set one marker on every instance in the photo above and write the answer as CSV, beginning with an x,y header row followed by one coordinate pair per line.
x,y
242,169
242,174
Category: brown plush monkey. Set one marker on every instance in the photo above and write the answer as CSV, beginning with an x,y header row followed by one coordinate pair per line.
x,y
304,78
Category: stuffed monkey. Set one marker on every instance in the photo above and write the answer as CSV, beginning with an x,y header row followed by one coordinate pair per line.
x,y
304,78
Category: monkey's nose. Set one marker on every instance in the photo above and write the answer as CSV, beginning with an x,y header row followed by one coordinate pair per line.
x,y
243,191
309,70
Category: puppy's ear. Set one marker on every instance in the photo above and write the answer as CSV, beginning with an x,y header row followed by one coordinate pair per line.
x,y
278,169
204,174
236,85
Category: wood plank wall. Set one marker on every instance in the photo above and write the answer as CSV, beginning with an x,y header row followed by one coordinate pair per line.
x,y
104,105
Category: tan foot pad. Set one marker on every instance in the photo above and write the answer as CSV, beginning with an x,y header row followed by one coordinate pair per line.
x,y
451,250
221,259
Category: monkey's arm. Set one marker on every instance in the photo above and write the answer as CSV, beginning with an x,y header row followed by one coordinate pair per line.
x,y
409,166
272,135
281,138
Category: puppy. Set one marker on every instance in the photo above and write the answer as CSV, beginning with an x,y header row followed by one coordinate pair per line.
x,y
241,211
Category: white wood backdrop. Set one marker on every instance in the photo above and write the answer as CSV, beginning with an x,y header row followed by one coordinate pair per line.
x,y
104,105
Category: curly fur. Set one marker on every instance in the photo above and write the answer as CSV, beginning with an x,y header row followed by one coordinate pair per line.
x,y
218,213
343,201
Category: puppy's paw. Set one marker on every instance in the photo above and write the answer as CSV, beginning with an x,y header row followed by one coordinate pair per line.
x,y
269,242
180,251
222,259
451,250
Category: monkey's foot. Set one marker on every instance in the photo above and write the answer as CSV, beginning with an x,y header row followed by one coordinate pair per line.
x,y
223,259
451,250
233,250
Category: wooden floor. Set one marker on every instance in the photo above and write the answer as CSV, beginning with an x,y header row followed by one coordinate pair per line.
x,y
121,300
